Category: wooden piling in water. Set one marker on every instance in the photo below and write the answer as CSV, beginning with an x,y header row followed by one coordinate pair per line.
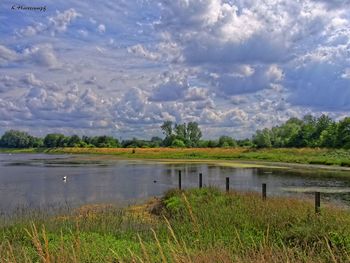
x,y
200,180
179,180
317,202
264,192
227,184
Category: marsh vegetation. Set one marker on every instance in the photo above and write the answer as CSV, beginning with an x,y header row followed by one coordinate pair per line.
x,y
184,226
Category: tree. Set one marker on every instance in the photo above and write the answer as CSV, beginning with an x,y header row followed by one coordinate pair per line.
x,y
74,141
262,138
193,134
181,132
106,142
53,140
156,141
343,134
227,141
167,128
16,139
245,143
328,137
213,143
178,143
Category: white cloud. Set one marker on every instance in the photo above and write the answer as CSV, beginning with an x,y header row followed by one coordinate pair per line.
x,y
196,94
56,24
7,55
61,21
141,51
233,66
101,28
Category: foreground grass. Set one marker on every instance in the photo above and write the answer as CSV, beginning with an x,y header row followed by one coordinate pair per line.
x,y
339,157
193,226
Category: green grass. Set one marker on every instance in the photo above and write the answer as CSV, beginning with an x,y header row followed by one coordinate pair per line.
x,y
193,226
336,157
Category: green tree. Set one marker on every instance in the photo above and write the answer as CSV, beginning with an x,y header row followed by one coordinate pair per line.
x,y
193,133
178,143
213,143
156,141
343,134
53,140
181,132
167,128
227,141
262,138
328,137
16,139
74,141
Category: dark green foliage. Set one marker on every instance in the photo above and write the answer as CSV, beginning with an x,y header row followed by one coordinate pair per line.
x,y
262,139
136,143
227,141
189,134
178,143
53,140
343,134
18,139
308,132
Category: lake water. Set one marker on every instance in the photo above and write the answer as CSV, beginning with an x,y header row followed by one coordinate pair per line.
x,y
36,180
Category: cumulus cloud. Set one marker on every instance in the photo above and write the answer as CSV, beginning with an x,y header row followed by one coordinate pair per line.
x,y
7,83
41,54
101,28
141,51
7,55
196,94
61,21
244,47
334,3
169,91
56,24
232,66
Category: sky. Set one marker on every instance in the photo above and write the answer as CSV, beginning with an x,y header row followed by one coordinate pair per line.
x,y
124,67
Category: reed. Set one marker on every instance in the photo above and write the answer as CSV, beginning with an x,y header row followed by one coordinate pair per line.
x,y
196,225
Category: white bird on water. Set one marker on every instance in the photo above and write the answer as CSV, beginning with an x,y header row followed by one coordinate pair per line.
x,y
64,178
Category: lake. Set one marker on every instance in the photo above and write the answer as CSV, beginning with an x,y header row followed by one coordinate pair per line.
x,y
36,180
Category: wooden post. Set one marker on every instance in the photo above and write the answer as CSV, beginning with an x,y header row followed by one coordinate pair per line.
x,y
179,180
227,184
264,192
317,202
200,180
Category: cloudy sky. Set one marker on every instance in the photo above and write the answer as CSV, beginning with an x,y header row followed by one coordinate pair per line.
x,y
123,67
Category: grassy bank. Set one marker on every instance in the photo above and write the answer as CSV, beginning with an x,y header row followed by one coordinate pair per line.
x,y
322,156
194,226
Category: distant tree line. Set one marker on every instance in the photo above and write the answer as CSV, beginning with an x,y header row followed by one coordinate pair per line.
x,y
306,132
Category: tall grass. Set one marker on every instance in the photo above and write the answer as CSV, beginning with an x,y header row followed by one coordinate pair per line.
x,y
203,225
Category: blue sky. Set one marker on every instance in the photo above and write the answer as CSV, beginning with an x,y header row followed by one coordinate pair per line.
x,y
123,67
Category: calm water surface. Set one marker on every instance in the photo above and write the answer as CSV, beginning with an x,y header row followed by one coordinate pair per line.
x,y
35,180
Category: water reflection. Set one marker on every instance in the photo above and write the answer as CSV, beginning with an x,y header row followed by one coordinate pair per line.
x,y
36,180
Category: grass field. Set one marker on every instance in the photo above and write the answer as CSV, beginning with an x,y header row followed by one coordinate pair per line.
x,y
193,226
322,156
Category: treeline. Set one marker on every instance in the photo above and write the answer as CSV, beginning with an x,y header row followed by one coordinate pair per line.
x,y
306,132
19,139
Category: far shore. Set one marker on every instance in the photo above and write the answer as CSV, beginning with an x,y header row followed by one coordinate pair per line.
x,y
296,158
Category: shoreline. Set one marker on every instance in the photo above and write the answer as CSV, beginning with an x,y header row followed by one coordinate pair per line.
x,y
303,158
